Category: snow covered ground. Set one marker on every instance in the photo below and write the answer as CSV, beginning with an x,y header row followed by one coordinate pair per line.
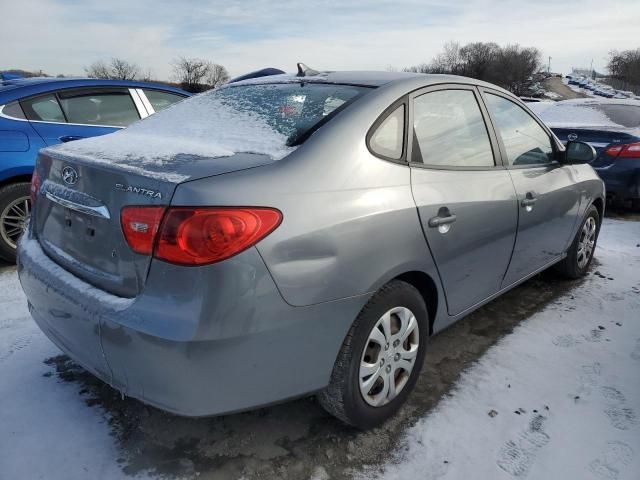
x,y
557,399
571,372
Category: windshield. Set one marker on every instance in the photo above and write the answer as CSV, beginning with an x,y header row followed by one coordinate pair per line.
x,y
292,109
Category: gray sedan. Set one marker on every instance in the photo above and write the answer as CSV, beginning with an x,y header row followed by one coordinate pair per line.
x,y
297,235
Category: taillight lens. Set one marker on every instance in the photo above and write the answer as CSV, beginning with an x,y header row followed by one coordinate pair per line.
x,y
140,226
629,150
35,186
198,236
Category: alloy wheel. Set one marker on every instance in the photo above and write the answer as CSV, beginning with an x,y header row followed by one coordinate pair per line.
x,y
586,242
389,356
14,220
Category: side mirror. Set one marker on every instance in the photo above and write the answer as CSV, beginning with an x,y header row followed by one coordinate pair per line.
x,y
579,152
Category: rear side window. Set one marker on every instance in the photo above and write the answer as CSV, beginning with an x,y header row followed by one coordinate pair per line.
x,y
449,130
108,109
13,110
44,109
525,141
388,139
161,100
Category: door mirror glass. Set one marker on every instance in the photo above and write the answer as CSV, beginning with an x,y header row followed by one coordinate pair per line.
x,y
580,152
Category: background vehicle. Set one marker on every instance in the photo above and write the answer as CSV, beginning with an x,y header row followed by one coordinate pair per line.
x,y
39,112
298,235
612,127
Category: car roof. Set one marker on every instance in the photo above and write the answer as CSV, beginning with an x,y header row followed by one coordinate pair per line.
x,y
368,79
16,88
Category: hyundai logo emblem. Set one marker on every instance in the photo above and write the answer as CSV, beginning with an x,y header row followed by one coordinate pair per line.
x,y
572,137
70,175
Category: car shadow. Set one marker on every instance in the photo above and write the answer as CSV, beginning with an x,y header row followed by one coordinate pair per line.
x,y
296,439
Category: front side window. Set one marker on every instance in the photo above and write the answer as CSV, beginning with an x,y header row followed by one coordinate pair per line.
x,y
388,138
108,109
450,131
161,100
44,109
525,141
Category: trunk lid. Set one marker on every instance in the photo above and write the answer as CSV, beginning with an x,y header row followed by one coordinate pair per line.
x,y
599,138
76,217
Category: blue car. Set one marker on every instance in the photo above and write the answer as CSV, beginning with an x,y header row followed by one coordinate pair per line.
x,y
38,112
612,127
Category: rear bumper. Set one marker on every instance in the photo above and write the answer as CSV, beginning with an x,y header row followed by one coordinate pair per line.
x,y
622,182
193,346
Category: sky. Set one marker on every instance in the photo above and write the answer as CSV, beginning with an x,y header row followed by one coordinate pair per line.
x,y
64,36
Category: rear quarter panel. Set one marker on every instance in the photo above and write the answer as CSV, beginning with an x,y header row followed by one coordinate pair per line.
x,y
350,223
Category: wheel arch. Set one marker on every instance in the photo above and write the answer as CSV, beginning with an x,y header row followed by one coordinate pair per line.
x,y
15,179
427,288
599,203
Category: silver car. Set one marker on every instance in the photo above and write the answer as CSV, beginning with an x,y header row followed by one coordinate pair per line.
x,y
298,234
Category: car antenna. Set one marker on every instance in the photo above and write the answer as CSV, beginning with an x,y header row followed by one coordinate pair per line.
x,y
304,71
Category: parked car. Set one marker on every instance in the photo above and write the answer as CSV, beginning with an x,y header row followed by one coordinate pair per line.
x,y
38,112
612,127
296,235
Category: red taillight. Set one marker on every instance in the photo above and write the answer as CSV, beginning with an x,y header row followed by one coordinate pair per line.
x,y
630,150
197,236
140,225
35,186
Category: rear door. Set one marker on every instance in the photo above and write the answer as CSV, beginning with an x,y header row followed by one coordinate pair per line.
x,y
73,114
465,198
548,197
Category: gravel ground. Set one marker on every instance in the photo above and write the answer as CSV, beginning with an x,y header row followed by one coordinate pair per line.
x,y
555,85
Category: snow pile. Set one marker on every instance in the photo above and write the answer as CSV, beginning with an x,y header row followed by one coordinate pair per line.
x,y
201,126
558,398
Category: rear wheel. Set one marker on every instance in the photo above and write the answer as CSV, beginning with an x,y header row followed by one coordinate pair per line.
x,y
580,254
15,210
380,359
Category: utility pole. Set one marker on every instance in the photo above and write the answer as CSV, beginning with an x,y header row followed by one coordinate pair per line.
x,y
593,74
549,66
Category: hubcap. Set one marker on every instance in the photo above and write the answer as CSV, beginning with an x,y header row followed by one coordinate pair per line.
x,y
389,356
14,220
586,242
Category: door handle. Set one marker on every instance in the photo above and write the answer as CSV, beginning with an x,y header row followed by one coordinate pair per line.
x,y
69,138
444,217
529,200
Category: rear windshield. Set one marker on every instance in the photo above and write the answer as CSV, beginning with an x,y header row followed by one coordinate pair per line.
x,y
588,114
292,109
625,115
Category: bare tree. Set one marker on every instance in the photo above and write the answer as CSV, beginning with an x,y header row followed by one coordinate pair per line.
x,y
116,69
123,70
509,67
190,73
98,69
217,75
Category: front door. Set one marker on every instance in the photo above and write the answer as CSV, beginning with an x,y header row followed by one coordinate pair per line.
x,y
548,201
466,200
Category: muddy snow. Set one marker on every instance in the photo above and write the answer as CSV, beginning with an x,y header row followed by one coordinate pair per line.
x,y
542,383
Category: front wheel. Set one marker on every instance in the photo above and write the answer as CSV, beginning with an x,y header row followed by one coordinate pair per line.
x,y
15,210
380,359
580,253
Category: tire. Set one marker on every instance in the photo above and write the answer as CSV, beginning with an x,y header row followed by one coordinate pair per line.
x,y
635,204
343,397
575,265
12,202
